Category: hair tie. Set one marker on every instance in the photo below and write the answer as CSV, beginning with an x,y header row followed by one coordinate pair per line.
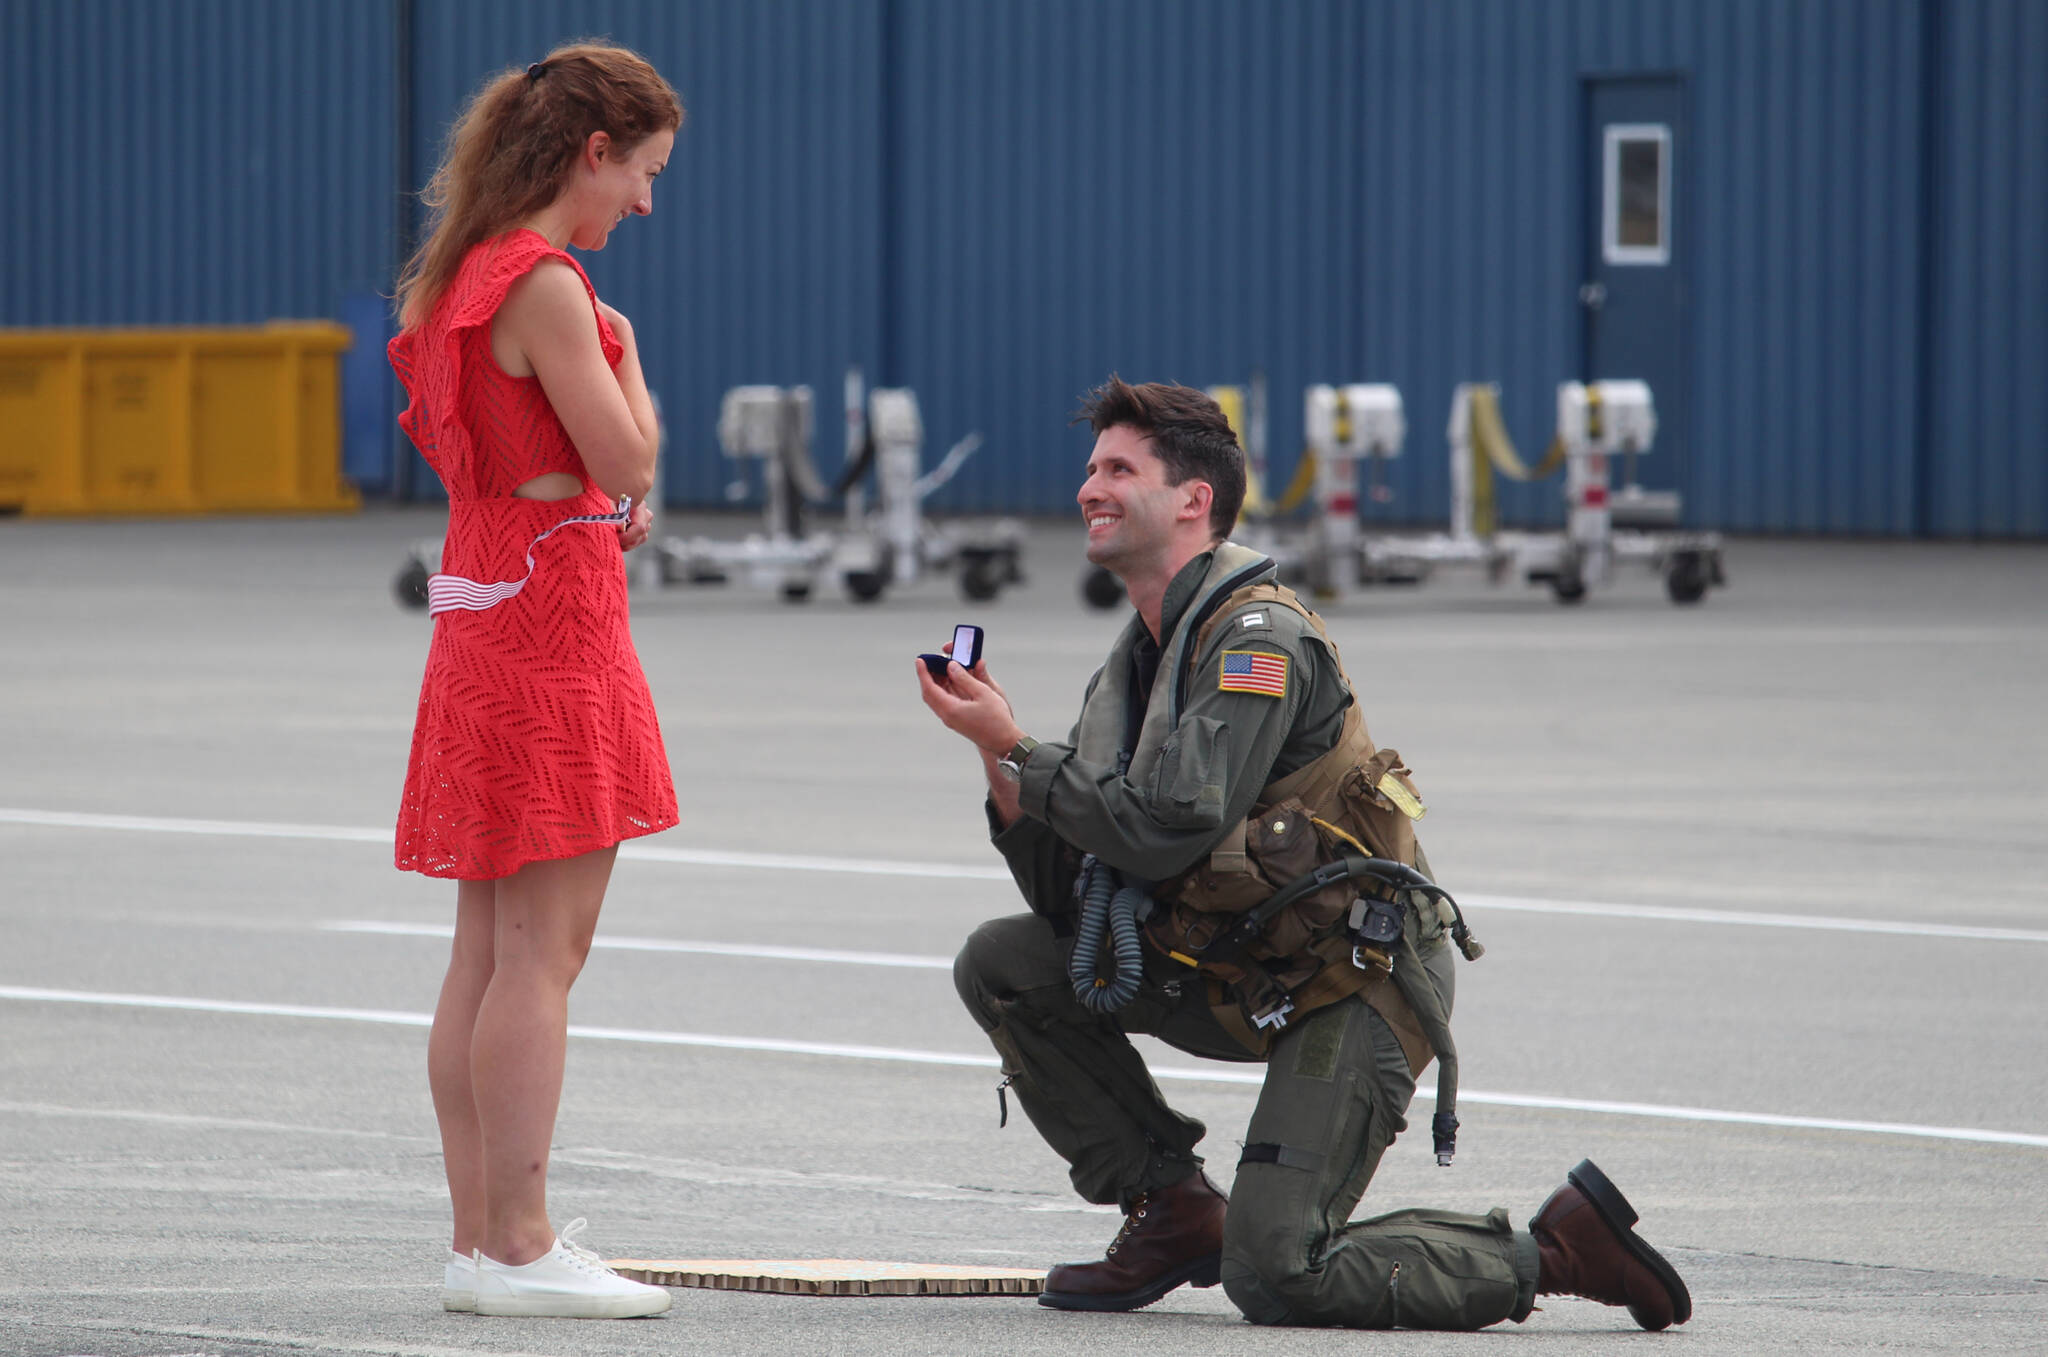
x,y
537,70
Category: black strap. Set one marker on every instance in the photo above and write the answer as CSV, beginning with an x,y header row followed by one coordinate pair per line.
x,y
1233,946
1286,1156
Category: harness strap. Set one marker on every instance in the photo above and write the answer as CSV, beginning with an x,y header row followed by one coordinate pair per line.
x,y
1286,1156
452,593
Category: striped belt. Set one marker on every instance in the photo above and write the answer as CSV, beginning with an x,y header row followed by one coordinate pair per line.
x,y
452,593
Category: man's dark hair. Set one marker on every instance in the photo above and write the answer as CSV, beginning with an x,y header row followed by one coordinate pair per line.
x,y
1189,434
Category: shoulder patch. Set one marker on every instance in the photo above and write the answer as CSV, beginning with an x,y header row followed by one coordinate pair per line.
x,y
1253,671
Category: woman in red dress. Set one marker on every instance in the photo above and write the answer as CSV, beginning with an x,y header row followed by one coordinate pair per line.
x,y
536,748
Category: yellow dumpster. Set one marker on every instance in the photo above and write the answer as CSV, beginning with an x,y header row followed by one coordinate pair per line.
x,y
229,420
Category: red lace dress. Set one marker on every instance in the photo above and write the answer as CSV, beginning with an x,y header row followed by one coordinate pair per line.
x,y
536,736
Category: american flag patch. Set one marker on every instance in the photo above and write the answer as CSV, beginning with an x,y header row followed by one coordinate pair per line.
x,y
1253,671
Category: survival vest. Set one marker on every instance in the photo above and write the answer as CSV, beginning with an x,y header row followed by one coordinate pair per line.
x,y
1299,822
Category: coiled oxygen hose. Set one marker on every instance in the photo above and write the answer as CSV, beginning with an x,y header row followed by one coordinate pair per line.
x,y
1105,910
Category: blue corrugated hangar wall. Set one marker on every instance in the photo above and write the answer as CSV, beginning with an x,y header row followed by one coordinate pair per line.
x,y
1000,203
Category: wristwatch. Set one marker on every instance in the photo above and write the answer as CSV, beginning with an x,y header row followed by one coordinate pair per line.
x,y
1011,765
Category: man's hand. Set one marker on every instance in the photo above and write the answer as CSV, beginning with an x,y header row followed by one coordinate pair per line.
x,y
638,525
970,703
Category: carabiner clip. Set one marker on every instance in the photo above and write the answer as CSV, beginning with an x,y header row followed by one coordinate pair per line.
x,y
1372,960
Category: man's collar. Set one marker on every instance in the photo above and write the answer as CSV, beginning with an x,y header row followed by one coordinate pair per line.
x,y
1181,592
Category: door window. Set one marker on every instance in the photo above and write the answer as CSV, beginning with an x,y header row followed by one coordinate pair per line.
x,y
1636,194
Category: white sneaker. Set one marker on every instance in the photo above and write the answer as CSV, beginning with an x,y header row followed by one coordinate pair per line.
x,y
567,1282
458,1283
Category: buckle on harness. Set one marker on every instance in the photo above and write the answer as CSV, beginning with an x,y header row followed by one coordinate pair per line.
x,y
1275,1018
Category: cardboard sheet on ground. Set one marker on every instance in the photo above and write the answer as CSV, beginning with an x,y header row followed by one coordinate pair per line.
x,y
832,1276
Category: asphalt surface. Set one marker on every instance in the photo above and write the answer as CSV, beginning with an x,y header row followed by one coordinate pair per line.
x,y
1760,882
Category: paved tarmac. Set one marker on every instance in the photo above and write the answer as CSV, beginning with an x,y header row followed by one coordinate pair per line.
x,y
1760,882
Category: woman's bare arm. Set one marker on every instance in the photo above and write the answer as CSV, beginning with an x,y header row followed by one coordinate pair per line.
x,y
547,320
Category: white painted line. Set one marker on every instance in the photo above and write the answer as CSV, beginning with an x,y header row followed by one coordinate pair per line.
x,y
196,1122
79,996
1880,1128
637,851
832,1049
763,951
961,1059
1822,922
631,850
778,862
153,824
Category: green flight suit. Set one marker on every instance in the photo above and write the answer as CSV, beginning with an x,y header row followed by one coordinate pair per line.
x,y
1337,1085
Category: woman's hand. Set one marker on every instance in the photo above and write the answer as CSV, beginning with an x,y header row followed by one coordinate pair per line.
x,y
639,523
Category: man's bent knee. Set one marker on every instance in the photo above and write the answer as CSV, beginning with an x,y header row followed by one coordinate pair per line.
x,y
1281,1288
977,971
1002,958
1258,1302
1268,1270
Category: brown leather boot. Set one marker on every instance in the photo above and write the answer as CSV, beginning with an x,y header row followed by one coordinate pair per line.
x,y
1587,1248
1170,1237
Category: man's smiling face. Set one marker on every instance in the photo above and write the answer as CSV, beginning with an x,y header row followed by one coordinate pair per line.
x,y
1129,506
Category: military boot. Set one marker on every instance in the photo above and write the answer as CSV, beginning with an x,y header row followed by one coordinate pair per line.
x,y
1170,1236
1587,1248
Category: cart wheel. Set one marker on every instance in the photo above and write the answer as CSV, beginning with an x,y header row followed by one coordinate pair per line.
x,y
797,591
866,585
1569,586
981,579
411,586
680,569
1101,589
1686,581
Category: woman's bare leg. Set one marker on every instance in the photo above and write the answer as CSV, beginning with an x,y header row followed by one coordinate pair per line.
x,y
448,1057
545,915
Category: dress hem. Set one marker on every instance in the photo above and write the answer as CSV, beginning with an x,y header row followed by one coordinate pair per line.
x,y
530,859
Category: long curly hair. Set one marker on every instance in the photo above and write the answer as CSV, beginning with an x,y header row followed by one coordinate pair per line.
x,y
511,152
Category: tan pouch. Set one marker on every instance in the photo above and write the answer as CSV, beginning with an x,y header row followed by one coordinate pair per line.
x,y
1283,841
1389,830
1262,854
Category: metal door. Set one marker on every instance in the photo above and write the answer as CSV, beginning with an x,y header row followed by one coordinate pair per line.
x,y
1636,248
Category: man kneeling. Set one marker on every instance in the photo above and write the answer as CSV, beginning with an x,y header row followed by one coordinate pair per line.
x,y
1220,758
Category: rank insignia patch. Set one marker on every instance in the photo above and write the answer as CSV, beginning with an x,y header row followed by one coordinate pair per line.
x,y
1253,671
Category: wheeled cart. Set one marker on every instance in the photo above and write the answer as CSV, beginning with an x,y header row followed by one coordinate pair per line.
x,y
892,543
1596,424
